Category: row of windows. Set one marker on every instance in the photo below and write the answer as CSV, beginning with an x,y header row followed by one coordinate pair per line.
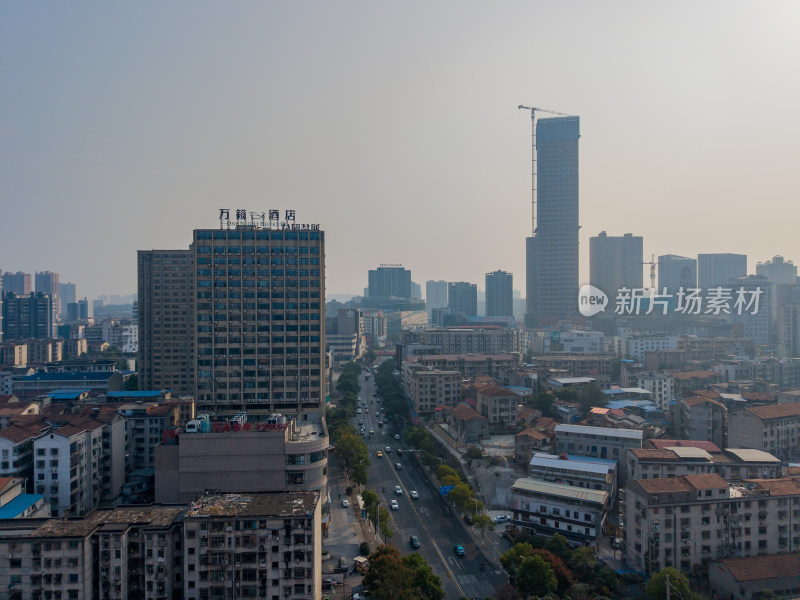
x,y
257,234
276,250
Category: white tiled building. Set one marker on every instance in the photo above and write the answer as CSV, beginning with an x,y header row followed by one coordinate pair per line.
x,y
545,509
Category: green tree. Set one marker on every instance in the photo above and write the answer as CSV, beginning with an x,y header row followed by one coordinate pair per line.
x,y
582,563
544,402
592,396
513,557
473,453
423,582
369,357
460,495
445,471
352,450
383,521
656,587
482,522
558,546
358,473
131,384
535,577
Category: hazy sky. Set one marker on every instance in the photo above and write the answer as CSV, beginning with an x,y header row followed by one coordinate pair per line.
x,y
393,125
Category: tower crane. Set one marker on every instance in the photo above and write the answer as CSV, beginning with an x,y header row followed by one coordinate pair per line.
x,y
534,110
652,262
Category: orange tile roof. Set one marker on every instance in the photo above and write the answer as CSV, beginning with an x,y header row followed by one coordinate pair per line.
x,y
786,486
653,454
20,433
464,412
758,568
686,375
495,390
684,483
776,411
532,433
701,444
695,400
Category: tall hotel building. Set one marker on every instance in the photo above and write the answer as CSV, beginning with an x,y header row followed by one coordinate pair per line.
x,y
552,250
257,312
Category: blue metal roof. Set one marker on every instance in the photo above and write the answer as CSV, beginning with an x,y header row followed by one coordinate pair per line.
x,y
66,395
70,390
19,505
144,394
602,461
81,375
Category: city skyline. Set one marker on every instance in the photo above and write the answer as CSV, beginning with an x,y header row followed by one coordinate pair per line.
x,y
114,105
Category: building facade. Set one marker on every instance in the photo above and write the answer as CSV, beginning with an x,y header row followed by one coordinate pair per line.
x,y
462,298
389,280
259,317
552,251
545,509
166,321
716,270
676,272
499,294
28,316
598,442
428,388
687,521
615,262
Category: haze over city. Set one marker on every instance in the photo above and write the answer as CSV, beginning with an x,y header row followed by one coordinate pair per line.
x,y
393,127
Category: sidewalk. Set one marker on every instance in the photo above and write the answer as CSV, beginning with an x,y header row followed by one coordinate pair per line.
x,y
345,534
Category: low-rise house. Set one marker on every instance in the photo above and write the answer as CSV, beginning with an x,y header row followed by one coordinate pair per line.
x,y
527,443
776,576
469,424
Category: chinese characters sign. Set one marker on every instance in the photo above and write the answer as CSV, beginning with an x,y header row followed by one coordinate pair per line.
x,y
270,219
690,301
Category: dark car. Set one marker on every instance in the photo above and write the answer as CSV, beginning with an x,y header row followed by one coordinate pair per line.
x,y
414,541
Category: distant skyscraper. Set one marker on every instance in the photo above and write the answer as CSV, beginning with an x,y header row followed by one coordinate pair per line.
x,y
1,306
716,270
778,270
552,251
676,272
416,291
435,294
47,283
17,283
463,298
83,309
67,294
166,321
28,316
756,326
389,280
615,262
499,294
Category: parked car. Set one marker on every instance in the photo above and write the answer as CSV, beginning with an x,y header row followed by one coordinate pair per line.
x,y
345,502
502,519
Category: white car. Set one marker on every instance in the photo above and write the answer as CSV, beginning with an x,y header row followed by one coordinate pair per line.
x,y
345,502
397,436
359,411
414,494
502,519
398,490
394,505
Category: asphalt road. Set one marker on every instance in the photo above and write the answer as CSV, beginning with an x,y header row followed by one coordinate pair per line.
x,y
425,517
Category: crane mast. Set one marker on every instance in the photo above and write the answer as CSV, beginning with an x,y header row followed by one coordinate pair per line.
x,y
534,174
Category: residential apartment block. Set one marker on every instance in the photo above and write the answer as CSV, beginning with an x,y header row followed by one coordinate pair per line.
x,y
660,385
498,405
773,428
465,340
545,509
428,387
687,521
732,464
702,417
221,546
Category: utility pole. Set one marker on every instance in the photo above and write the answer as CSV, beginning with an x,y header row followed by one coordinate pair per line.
x,y
666,581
